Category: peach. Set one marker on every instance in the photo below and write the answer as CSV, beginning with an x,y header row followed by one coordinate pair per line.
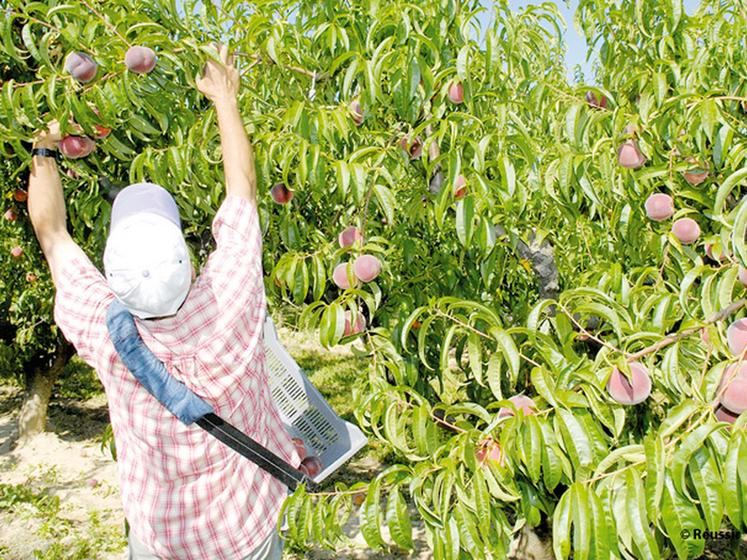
x,y
725,415
659,207
311,466
736,336
101,131
629,156
10,215
705,337
81,67
19,195
630,391
414,148
599,102
521,402
710,254
460,187
281,194
16,252
696,175
733,388
366,268
300,447
356,112
695,178
360,323
140,60
456,93
489,450
349,236
686,230
340,276
75,147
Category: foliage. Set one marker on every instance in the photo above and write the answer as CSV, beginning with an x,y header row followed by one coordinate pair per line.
x,y
455,323
11,495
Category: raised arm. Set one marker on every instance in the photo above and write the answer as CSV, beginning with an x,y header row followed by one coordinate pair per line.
x,y
46,204
220,84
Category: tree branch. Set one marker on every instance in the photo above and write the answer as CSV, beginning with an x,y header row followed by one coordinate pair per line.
x,y
671,339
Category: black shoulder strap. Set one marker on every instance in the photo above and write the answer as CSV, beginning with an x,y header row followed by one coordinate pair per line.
x,y
183,403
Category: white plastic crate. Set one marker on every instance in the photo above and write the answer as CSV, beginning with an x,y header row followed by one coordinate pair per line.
x,y
304,411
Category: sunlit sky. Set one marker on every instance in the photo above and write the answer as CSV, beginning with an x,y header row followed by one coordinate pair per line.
x,y
575,44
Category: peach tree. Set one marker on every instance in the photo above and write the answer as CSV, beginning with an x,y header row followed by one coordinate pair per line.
x,y
544,275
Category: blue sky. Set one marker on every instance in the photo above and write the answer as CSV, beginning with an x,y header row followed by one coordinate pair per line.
x,y
575,44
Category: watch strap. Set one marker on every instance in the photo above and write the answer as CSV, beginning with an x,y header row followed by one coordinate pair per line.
x,y
45,152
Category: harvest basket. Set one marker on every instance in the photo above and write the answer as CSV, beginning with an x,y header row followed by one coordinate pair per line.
x,y
304,411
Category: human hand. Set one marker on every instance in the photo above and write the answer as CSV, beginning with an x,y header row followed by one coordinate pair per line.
x,y
48,138
219,81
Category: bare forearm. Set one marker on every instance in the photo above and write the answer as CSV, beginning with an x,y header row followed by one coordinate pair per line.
x,y
238,156
46,204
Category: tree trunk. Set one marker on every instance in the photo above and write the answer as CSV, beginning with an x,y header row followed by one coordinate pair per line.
x,y
39,382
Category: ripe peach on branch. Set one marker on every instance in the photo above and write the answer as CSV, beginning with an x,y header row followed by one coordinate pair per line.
x,y
596,101
366,268
356,112
341,278
521,402
281,194
75,147
629,156
686,230
733,388
349,236
456,92
630,391
140,60
659,207
489,450
81,67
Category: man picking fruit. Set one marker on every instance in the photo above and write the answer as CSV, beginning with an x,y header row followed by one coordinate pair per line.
x,y
185,494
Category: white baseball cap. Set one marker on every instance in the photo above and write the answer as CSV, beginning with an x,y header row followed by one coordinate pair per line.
x,y
146,261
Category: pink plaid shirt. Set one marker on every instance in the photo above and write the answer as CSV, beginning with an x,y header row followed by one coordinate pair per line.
x,y
186,495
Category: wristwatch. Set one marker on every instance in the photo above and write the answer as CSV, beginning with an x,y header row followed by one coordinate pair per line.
x,y
45,152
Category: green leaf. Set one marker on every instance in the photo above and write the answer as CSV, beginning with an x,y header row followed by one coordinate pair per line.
x,y
370,516
493,374
689,445
736,178
635,511
707,481
575,438
709,115
581,515
465,213
461,63
561,526
398,519
678,515
732,486
508,348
